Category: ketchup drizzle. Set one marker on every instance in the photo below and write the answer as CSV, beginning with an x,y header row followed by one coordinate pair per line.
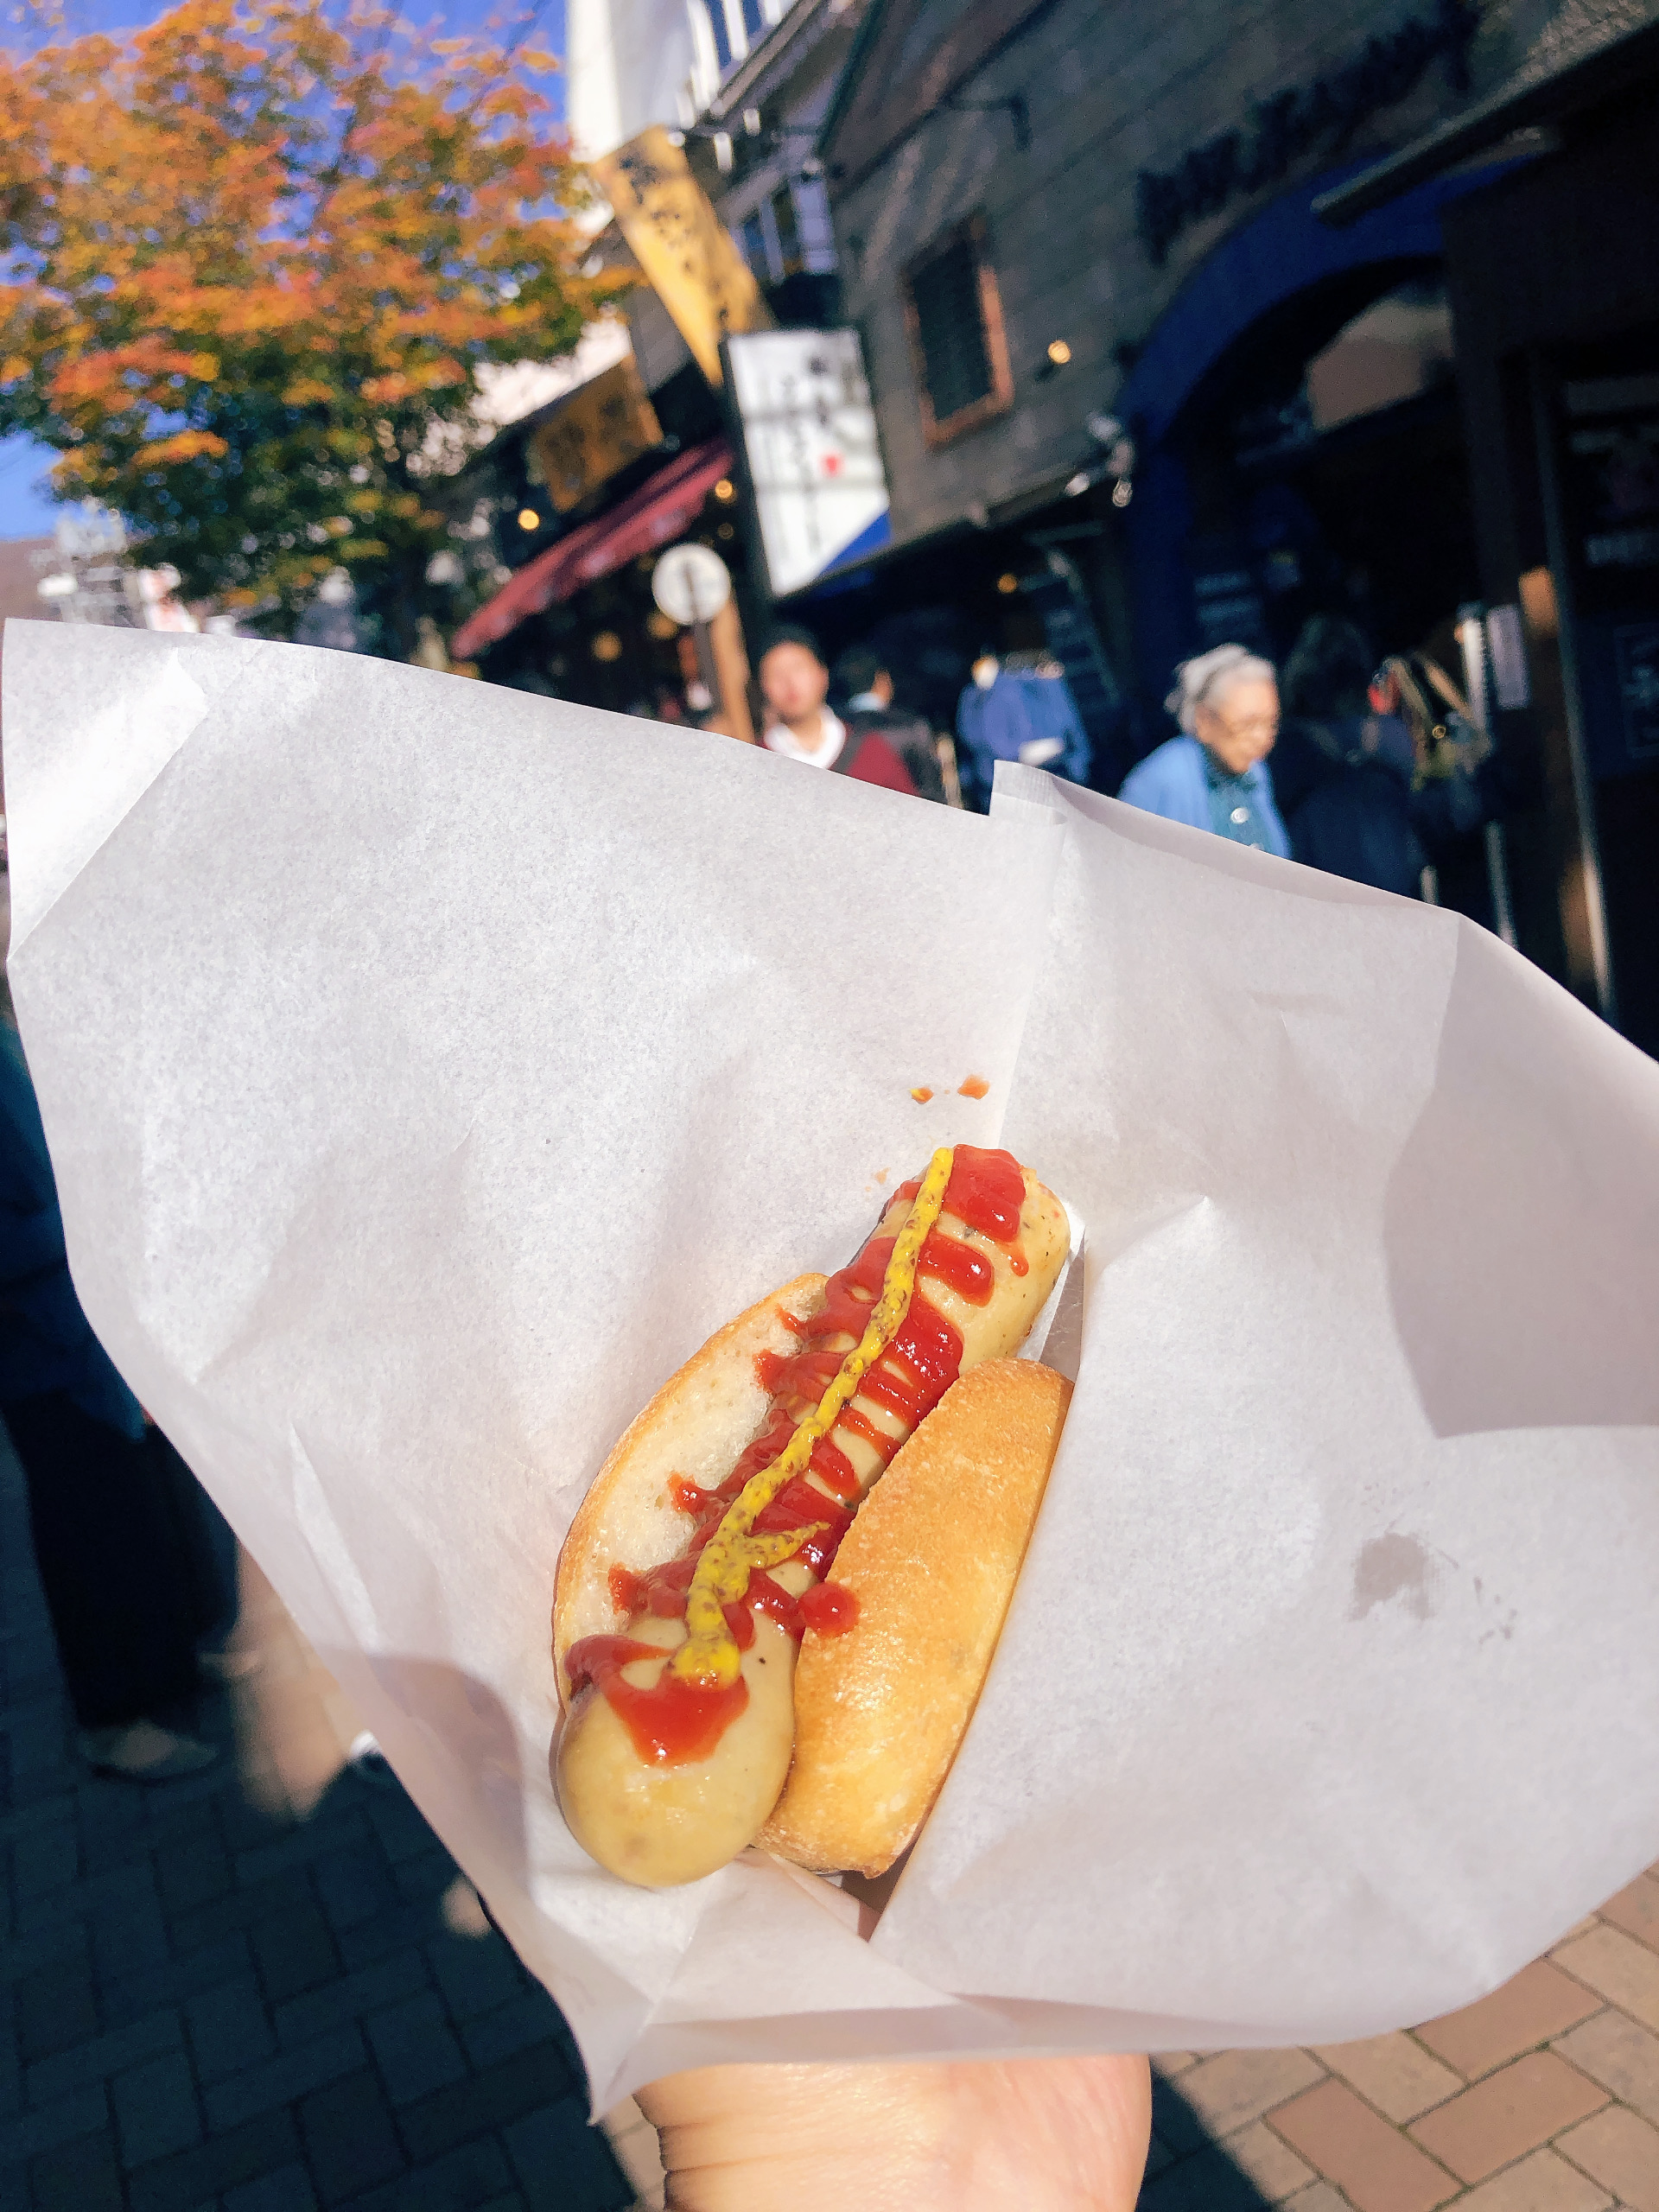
x,y
675,1721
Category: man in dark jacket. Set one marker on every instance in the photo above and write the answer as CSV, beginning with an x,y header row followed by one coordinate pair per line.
x,y
795,684
867,686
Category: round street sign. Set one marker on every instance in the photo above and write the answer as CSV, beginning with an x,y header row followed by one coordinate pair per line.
x,y
691,583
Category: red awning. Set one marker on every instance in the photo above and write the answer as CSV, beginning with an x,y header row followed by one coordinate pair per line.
x,y
663,509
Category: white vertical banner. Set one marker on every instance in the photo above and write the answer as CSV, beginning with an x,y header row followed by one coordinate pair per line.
x,y
808,428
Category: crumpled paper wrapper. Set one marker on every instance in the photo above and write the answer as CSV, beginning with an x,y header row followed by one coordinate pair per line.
x,y
429,1069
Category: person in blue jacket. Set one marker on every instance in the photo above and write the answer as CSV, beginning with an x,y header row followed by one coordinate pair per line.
x,y
1215,775
125,1551
1021,714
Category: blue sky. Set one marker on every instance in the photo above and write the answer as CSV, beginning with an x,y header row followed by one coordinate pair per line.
x,y
25,509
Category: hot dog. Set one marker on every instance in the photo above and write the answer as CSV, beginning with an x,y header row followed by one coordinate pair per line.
x,y
699,1557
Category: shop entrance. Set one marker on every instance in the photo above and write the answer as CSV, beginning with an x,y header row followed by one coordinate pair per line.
x,y
1326,471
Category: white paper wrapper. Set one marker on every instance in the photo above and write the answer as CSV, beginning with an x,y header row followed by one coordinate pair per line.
x,y
429,1069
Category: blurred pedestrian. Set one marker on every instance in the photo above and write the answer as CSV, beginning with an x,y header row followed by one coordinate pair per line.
x,y
1343,772
124,1549
866,685
1214,776
1020,708
795,684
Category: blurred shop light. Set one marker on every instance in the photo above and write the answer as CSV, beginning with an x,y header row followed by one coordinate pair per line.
x,y
725,489
444,567
529,519
1078,484
1058,352
607,646
1123,493
661,624
1008,584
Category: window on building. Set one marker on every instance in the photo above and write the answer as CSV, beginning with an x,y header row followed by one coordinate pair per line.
x,y
753,238
791,254
716,12
955,315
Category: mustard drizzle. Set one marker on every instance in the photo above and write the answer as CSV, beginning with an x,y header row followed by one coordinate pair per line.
x,y
709,1654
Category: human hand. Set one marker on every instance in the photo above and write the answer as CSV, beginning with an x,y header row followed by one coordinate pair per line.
x,y
1038,2134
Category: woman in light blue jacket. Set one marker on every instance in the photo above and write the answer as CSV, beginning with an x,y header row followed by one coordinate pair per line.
x,y
1215,775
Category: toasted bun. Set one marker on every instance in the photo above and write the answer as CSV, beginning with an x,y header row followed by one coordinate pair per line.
x,y
932,1559
697,1425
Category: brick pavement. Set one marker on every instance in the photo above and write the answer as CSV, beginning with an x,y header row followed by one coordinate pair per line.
x,y
267,1989
270,1990
1544,2097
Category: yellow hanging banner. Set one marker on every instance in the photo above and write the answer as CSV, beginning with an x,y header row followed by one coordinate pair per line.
x,y
688,254
602,426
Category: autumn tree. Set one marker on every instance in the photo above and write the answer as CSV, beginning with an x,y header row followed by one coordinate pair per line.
x,y
257,255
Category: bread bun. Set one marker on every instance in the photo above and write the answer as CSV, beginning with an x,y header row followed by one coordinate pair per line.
x,y
932,1559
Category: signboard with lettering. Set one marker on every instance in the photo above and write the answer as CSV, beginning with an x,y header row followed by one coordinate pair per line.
x,y
602,426
688,254
820,492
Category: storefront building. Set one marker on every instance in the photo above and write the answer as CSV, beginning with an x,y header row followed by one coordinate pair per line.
x,y
1104,323
1553,274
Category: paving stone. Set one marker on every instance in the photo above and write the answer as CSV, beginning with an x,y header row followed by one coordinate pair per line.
x,y
155,2111
102,2056
350,1996
280,2080
194,1870
303,1847
45,1859
349,2137
475,2174
1238,2086
289,2191
54,1942
1392,2073
1637,1910
398,1824
558,2155
196,2177
484,2101
82,2112
1343,2141
1269,2161
477,1974
1174,2123
1617,1967
427,1874
178,1980
1539,2004
1172,2063
293,1951
354,1884
1543,2183
84,2175
240,1908
1509,2112
228,2028
530,2019
56,2005
392,1930
414,2047
1619,2149
1318,2196
129,1935
1620,2055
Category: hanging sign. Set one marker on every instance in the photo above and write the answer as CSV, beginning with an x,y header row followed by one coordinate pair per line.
x,y
802,405
602,426
688,254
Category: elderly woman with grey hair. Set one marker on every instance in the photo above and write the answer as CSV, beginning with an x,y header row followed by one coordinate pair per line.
x,y
1215,776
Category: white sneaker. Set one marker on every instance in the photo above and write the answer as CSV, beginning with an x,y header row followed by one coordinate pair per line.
x,y
142,1751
